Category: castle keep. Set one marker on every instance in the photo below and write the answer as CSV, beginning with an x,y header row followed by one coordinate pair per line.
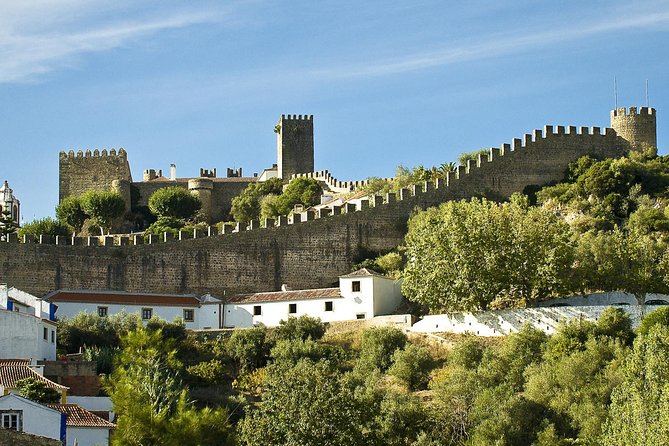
x,y
104,170
311,249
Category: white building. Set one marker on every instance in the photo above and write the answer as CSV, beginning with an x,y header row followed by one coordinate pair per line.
x,y
8,202
23,415
27,326
363,294
202,312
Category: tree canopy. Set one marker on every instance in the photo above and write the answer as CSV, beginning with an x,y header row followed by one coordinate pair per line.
x,y
103,207
174,202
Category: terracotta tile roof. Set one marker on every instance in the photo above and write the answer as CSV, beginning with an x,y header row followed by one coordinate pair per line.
x,y
9,374
363,272
14,362
280,296
123,298
77,416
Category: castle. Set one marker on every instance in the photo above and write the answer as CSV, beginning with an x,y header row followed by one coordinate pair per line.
x,y
103,170
309,250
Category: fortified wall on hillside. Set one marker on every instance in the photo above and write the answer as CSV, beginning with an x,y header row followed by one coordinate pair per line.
x,y
311,249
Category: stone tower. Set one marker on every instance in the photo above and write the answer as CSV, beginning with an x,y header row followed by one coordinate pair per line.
x,y
91,171
295,145
8,202
637,127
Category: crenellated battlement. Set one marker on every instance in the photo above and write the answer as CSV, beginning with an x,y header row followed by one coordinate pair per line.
x,y
334,184
297,117
94,154
632,111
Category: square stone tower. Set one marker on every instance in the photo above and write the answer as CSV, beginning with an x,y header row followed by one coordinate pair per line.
x,y
295,145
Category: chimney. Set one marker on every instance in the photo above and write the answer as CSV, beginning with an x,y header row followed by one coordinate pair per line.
x,y
173,172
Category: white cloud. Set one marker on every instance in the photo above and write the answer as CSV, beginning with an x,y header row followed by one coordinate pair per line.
x,y
25,54
498,45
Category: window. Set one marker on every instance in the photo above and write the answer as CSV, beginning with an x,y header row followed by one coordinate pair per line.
x,y
12,420
360,316
147,313
53,336
102,311
355,286
328,305
292,308
257,311
189,315
46,333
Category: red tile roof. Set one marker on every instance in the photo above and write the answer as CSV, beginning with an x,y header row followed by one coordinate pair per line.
x,y
280,296
14,362
123,298
77,416
9,374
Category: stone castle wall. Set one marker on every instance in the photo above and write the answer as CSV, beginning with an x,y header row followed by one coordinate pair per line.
x,y
88,170
307,254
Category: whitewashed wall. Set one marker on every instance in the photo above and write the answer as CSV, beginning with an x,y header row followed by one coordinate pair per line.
x,y
87,436
503,322
22,336
168,313
37,419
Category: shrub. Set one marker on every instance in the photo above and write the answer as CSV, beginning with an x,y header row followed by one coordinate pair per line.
x,y
175,202
303,327
248,348
44,226
378,346
657,317
411,367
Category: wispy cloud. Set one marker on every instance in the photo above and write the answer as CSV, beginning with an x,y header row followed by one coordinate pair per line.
x,y
24,56
496,46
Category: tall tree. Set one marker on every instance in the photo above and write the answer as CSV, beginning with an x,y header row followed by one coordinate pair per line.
x,y
71,212
174,202
103,207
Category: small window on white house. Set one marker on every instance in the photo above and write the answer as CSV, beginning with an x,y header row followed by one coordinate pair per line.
x,y
257,310
53,336
46,334
189,315
360,316
147,313
355,286
328,305
12,421
102,311
292,308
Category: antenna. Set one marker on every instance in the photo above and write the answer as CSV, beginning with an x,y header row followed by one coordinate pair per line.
x,y
615,92
646,92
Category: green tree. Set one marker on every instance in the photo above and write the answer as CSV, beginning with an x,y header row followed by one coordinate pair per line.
x,y
306,405
248,347
7,224
71,212
303,328
305,191
174,202
470,255
639,411
103,207
247,205
411,367
44,226
657,317
378,345
37,390
464,157
90,330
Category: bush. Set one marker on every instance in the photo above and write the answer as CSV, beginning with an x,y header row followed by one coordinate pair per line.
x,y
44,226
303,327
248,348
209,372
467,354
657,317
36,390
175,202
164,224
292,350
378,346
411,367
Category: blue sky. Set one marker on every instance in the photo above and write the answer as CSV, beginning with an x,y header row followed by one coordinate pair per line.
x,y
202,83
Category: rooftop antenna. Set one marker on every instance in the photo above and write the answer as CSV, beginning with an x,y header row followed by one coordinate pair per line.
x,y
646,92
615,92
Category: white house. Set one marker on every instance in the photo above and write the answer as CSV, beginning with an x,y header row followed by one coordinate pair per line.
x,y
362,294
197,312
83,427
23,415
27,326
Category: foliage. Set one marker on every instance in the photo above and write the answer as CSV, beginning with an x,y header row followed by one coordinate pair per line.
x,y
657,317
248,348
37,390
102,356
294,350
466,255
71,212
43,226
246,206
174,202
378,346
303,328
305,405
639,412
411,367
7,224
91,330
304,191
389,264
103,207
209,372
464,157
